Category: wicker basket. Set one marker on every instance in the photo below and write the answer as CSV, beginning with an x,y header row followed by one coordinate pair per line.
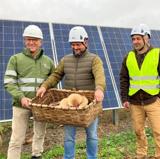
x,y
45,108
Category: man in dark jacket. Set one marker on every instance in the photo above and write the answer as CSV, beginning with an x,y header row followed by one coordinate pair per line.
x,y
139,85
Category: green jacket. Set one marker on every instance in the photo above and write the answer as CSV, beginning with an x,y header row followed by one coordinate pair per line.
x,y
83,72
24,74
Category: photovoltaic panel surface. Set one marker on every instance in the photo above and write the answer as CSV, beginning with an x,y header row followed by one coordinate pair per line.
x,y
11,42
155,38
118,43
61,32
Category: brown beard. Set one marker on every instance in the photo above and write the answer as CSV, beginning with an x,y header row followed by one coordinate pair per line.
x,y
79,54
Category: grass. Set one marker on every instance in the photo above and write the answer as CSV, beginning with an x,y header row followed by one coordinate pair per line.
x,y
123,145
114,146
4,127
2,156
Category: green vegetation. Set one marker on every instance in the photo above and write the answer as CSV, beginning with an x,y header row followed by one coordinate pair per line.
x,y
2,156
113,146
4,127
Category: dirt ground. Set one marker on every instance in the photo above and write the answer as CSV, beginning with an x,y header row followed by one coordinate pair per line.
x,y
55,133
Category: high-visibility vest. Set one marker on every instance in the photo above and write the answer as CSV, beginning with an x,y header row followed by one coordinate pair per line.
x,y
145,78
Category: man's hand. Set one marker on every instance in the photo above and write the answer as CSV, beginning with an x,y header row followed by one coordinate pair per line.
x,y
41,91
126,105
25,102
99,95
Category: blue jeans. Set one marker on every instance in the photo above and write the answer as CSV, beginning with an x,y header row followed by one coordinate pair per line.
x,y
91,141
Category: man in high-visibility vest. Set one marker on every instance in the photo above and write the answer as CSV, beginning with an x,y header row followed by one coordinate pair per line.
x,y
140,85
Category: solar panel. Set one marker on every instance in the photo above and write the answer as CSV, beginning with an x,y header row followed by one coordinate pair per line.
x,y
118,43
61,32
110,43
155,38
11,42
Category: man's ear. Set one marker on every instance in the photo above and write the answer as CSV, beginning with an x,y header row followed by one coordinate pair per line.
x,y
147,39
86,42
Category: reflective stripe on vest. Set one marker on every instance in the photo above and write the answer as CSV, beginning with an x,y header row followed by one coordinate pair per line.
x,y
11,73
28,89
24,80
145,87
144,78
30,80
10,80
147,77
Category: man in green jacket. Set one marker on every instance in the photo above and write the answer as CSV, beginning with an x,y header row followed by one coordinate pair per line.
x,y
24,74
81,70
139,85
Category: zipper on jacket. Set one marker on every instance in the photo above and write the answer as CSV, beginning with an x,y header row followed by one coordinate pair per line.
x,y
75,75
35,85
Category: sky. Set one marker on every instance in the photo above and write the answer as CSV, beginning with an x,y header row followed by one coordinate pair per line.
x,y
112,13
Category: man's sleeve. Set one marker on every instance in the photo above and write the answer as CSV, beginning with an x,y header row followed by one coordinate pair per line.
x,y
124,81
98,72
10,80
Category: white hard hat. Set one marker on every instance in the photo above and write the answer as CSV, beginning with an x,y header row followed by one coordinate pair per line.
x,y
77,34
141,29
33,31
